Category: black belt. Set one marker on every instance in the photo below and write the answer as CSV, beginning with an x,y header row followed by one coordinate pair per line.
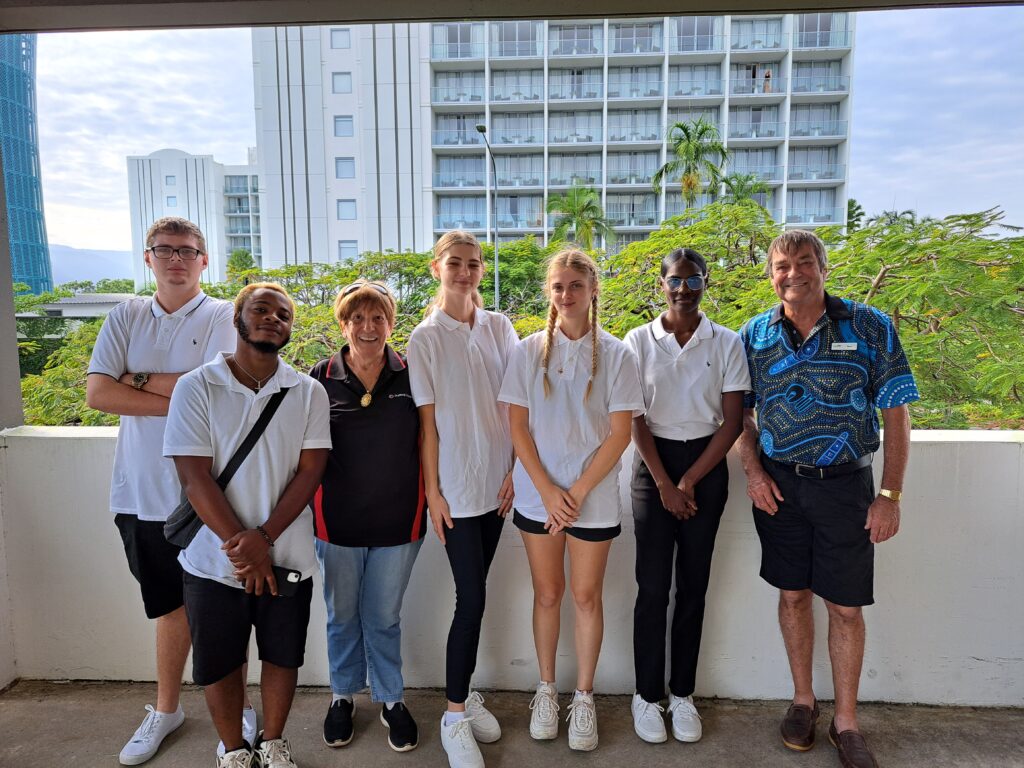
x,y
823,473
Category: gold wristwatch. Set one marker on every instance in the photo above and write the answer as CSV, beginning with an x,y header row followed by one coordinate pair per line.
x,y
139,380
894,495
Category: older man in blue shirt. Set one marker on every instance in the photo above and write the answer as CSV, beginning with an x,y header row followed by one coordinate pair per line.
x,y
821,367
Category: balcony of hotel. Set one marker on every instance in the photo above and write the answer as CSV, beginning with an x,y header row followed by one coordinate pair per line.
x,y
758,46
238,230
818,88
521,220
750,134
648,136
507,180
516,49
770,174
236,188
815,216
586,90
627,177
695,47
456,51
640,46
576,46
456,138
748,90
819,45
575,136
633,218
459,180
824,174
515,94
237,210
452,95
817,131
504,137
639,92
582,178
472,222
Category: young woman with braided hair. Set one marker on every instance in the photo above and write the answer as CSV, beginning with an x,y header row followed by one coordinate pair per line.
x,y
572,391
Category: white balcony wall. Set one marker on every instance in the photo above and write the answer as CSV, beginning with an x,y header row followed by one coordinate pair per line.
x,y
948,627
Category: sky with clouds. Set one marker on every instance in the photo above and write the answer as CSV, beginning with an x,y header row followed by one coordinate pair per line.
x,y
938,110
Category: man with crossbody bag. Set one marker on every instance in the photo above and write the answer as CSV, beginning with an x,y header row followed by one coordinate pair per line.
x,y
255,545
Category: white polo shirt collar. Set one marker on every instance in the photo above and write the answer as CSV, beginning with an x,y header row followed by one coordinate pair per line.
x,y
442,318
666,340
183,311
219,372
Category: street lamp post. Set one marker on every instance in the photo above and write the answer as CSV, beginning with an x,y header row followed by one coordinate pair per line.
x,y
482,129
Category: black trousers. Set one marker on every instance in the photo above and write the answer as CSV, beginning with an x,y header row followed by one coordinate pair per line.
x,y
470,545
661,540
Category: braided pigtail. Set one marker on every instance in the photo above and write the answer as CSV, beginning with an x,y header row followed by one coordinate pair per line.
x,y
549,343
593,354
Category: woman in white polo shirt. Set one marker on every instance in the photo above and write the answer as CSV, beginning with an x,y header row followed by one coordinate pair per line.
x,y
457,357
694,374
572,391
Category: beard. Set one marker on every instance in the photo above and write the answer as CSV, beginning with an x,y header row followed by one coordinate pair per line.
x,y
267,347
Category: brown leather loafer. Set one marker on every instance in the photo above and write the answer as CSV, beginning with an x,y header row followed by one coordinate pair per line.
x,y
798,726
853,750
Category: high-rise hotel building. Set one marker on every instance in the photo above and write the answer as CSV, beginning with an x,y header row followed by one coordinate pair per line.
x,y
368,135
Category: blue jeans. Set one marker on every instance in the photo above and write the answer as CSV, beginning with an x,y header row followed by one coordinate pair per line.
x,y
363,589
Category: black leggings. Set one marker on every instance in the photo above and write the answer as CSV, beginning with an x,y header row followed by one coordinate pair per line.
x,y
659,536
470,545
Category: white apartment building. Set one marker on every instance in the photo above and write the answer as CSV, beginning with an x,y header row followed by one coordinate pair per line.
x,y
368,139
223,200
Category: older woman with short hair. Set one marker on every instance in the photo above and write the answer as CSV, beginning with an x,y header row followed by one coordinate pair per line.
x,y
369,514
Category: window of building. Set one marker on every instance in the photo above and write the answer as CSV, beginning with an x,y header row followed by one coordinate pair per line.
x,y
634,82
343,125
170,181
172,201
515,38
638,37
341,38
458,40
575,39
344,167
341,82
348,250
698,33
346,210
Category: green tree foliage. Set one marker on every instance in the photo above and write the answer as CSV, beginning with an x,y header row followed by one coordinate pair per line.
x,y
580,217
696,158
743,186
854,215
239,262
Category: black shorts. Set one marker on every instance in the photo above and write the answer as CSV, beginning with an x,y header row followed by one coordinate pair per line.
x,y
817,539
153,562
527,525
221,618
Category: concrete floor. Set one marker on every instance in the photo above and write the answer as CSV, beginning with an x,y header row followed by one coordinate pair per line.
x,y
86,724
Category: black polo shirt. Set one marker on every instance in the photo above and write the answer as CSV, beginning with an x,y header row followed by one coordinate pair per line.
x,y
372,491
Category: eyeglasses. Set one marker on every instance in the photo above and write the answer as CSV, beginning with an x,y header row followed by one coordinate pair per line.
x,y
378,287
165,252
693,282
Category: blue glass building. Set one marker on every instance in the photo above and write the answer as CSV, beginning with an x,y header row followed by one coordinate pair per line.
x,y
19,145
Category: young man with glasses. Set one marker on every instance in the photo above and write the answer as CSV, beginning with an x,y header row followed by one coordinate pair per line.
x,y
145,345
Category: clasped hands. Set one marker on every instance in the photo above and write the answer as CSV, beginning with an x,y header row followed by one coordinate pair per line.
x,y
249,554
678,498
563,506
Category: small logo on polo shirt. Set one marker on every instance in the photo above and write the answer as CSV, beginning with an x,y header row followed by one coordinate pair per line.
x,y
397,394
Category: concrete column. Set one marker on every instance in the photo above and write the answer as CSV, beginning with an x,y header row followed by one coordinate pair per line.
x,y
11,413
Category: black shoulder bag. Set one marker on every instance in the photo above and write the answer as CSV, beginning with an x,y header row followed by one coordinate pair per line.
x,y
183,523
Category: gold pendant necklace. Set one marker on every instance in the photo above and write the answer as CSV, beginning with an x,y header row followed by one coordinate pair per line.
x,y
365,400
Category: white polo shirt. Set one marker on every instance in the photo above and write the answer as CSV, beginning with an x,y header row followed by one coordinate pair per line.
x,y
459,369
683,386
211,413
567,430
140,337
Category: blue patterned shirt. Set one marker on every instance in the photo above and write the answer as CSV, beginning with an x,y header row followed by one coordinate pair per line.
x,y
816,399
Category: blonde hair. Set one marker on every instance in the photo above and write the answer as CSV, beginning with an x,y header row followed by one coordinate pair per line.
x,y
446,241
175,225
578,261
251,288
367,294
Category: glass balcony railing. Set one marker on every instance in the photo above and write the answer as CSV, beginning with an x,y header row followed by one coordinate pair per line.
x,y
631,45
821,84
508,49
758,41
237,211
745,86
818,172
521,220
631,91
450,51
647,133
580,136
762,172
556,179
518,136
578,47
448,180
762,130
696,43
629,176
460,221
515,93
238,231
456,94
815,216
642,218
520,179
823,39
236,189
694,88
454,137
589,89
816,128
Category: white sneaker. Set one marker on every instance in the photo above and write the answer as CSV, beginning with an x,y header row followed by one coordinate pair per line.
x,y
648,721
582,722
237,758
485,725
460,745
274,753
248,729
544,712
685,720
146,741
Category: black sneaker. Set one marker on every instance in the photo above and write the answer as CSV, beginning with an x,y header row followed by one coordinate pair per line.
x,y
402,732
338,723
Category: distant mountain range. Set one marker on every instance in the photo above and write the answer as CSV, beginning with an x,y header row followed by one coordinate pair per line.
x,y
82,264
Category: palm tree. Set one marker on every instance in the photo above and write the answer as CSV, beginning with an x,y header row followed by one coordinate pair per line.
x,y
743,186
697,156
854,215
580,212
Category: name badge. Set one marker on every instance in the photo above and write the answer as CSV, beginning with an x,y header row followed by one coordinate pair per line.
x,y
844,346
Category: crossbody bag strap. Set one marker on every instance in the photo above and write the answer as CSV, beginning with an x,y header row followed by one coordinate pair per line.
x,y
250,440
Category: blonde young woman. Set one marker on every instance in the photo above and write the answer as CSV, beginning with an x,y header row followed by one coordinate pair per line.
x,y
457,357
572,391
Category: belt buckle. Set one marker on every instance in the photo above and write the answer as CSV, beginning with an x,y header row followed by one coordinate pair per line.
x,y
808,470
